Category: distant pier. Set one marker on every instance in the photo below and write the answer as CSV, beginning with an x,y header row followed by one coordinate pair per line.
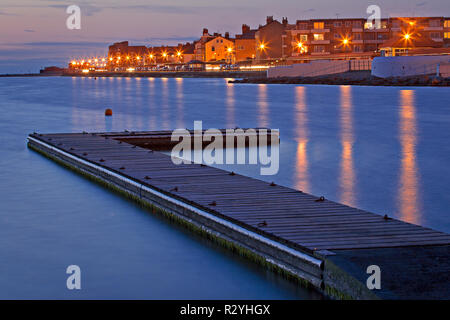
x,y
317,241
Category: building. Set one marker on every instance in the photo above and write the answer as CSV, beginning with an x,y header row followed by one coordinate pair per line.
x,y
220,49
356,38
407,45
269,40
199,45
245,44
120,54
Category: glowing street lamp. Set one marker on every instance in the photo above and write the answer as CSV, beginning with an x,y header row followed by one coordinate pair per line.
x,y
262,46
345,41
407,36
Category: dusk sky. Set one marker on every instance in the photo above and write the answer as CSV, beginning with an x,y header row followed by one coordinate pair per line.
x,y
34,33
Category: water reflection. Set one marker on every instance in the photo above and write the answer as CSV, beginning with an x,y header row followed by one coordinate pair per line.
x,y
301,137
263,106
180,102
408,193
347,174
230,104
165,104
151,113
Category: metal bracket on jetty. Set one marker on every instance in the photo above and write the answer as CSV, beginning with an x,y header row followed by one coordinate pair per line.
x,y
316,241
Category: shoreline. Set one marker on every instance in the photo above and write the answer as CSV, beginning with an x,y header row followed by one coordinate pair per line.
x,y
172,74
356,78
361,78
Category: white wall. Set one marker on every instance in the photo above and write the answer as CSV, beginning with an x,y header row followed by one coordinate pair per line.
x,y
318,67
402,66
311,69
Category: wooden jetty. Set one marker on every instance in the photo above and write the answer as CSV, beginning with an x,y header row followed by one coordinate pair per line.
x,y
327,244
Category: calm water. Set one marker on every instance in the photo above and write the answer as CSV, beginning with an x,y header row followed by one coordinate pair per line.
x,y
381,149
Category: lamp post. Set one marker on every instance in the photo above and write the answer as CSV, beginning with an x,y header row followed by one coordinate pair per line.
x,y
230,55
261,47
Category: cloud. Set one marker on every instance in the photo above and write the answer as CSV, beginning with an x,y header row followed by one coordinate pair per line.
x,y
421,4
29,30
3,13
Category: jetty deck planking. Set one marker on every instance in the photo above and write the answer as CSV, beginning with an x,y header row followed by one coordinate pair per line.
x,y
289,215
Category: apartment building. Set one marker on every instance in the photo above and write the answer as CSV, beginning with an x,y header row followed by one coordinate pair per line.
x,y
220,48
269,40
245,44
337,38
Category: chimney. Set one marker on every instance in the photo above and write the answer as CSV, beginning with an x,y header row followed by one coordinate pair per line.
x,y
269,19
245,28
285,21
227,35
205,32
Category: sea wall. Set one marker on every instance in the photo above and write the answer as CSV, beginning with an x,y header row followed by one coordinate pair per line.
x,y
318,68
405,66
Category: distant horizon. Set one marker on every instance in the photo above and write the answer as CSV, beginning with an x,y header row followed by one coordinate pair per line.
x,y
37,36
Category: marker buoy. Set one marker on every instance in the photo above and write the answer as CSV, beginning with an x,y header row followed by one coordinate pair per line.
x,y
108,112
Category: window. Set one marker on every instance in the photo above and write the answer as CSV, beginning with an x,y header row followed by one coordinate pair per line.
x,y
447,35
337,24
447,24
337,36
357,49
319,49
435,23
357,36
318,36
319,25
357,24
303,26
368,25
348,24
396,24
213,49
435,35
303,37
